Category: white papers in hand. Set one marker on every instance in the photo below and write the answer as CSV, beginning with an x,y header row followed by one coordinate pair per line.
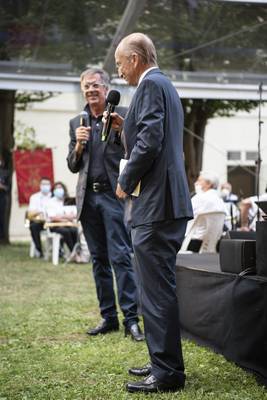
x,y
136,191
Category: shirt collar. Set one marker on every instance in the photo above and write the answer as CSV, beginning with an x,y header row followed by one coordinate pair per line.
x,y
144,74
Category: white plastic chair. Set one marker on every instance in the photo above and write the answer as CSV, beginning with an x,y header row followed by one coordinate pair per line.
x,y
52,243
213,222
33,251
52,246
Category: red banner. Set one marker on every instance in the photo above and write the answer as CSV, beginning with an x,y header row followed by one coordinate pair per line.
x,y
31,166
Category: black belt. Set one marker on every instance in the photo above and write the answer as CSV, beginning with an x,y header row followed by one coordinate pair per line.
x,y
99,186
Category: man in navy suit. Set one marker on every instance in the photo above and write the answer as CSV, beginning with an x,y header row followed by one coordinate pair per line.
x,y
153,134
100,211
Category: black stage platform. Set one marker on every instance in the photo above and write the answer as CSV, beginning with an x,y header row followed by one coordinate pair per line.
x,y
224,311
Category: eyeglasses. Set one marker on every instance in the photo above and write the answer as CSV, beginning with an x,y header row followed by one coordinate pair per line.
x,y
93,85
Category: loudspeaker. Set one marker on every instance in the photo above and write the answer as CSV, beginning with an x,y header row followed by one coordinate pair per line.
x,y
261,247
249,235
236,255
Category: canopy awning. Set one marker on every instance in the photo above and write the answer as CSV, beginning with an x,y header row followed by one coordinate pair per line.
x,y
194,90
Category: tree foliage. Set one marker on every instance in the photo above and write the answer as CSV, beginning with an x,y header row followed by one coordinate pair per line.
x,y
214,39
22,98
203,36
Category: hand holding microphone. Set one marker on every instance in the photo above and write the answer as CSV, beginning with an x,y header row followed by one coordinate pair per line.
x,y
83,131
113,100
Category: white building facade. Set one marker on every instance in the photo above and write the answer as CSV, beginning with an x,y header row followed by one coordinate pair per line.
x,y
229,142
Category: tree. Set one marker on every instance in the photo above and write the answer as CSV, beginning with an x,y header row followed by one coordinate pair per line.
x,y
197,114
205,36
43,36
36,32
8,100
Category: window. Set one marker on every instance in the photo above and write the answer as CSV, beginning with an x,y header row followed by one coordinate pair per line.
x,y
233,155
251,155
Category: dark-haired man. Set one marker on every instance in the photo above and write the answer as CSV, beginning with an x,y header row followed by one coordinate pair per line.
x,y
100,212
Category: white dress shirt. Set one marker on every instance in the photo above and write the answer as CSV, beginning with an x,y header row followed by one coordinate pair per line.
x,y
55,208
144,74
38,202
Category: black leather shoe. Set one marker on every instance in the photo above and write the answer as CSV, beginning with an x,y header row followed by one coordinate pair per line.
x,y
104,327
135,332
143,371
151,385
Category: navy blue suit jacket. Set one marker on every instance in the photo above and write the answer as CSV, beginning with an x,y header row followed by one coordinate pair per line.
x,y
112,156
153,129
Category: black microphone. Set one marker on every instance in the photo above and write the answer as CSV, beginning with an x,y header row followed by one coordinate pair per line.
x,y
84,121
113,100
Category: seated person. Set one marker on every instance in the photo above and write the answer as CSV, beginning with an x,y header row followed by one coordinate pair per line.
x,y
36,213
249,211
232,212
56,211
205,200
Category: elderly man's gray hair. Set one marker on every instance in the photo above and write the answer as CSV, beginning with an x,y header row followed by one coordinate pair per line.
x,y
211,178
104,76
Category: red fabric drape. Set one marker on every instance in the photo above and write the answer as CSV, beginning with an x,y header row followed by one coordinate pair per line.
x,y
30,167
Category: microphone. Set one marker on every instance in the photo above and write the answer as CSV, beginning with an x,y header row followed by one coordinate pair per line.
x,y
84,121
113,100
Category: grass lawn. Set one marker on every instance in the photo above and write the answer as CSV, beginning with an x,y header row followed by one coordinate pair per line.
x,y
45,353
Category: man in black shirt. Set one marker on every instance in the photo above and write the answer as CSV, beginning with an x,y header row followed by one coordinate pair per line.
x,y
100,212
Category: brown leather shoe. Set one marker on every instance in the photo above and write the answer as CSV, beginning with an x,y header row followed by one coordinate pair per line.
x,y
143,371
152,385
135,332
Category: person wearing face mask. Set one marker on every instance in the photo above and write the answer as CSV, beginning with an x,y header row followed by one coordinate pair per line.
x,y
36,213
205,200
230,200
57,212
226,193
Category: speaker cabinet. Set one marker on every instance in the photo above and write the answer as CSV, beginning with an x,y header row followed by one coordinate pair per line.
x,y
236,255
261,238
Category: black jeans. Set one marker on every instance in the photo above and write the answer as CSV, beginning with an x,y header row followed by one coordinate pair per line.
x,y
109,245
69,235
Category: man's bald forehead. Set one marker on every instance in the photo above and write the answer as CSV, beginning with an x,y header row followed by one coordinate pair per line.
x,y
140,44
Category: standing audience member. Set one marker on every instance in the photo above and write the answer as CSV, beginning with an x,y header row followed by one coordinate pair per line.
x,y
57,212
232,212
226,193
249,211
100,212
36,213
153,129
205,200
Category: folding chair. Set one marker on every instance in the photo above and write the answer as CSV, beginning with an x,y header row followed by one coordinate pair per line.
x,y
213,222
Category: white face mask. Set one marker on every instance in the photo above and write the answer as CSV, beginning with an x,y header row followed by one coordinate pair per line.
x,y
59,193
198,188
225,192
45,188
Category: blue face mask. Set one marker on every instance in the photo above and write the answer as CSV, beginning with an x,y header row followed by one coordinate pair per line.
x,y
45,188
59,193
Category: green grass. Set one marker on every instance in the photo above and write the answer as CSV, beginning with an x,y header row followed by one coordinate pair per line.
x,y
45,354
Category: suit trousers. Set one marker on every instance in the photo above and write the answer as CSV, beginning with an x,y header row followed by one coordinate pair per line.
x,y
109,245
155,247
